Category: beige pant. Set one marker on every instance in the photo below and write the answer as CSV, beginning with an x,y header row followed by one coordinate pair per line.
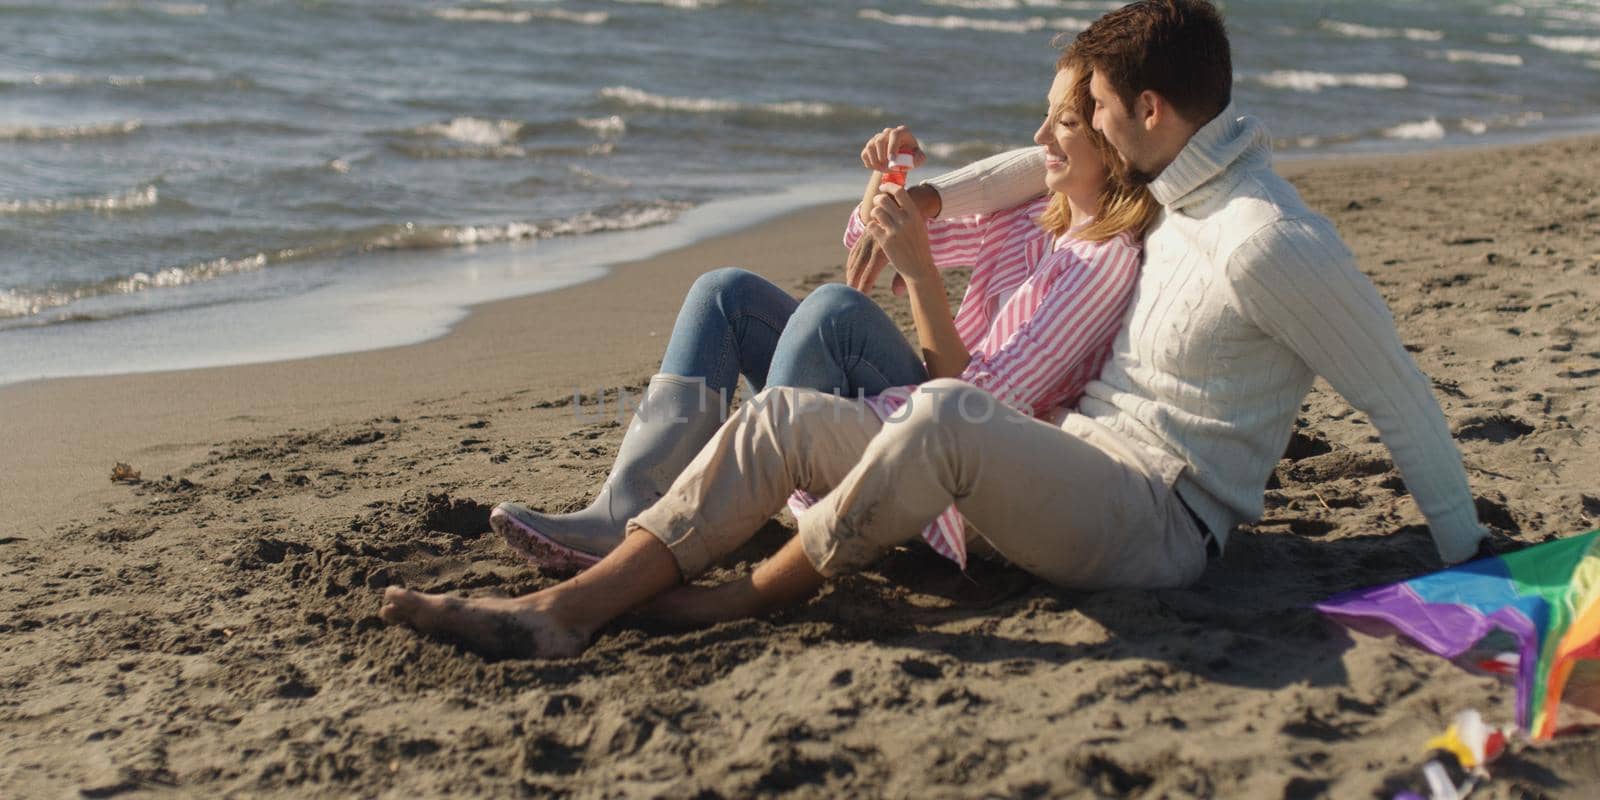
x,y
1076,505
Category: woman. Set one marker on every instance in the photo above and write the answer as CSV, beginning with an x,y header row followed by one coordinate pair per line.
x,y
1031,329
1044,301
733,322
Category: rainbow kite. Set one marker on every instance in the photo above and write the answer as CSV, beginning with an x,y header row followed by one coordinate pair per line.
x,y
1534,614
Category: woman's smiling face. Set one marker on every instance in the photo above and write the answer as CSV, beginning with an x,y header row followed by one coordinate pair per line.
x,y
1072,161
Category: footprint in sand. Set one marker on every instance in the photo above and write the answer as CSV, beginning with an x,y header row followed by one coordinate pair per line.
x,y
1497,428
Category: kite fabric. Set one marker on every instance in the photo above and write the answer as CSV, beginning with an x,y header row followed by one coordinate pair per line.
x,y
1534,613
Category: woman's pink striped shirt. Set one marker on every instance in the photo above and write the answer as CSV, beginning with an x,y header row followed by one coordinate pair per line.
x,y
1037,320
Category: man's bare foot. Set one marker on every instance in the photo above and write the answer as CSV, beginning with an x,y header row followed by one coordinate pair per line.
x,y
500,627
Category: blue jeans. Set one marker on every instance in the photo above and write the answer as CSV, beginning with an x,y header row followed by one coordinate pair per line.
x,y
735,322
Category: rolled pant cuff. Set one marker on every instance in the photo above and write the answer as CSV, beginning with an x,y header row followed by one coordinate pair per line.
x,y
682,534
830,553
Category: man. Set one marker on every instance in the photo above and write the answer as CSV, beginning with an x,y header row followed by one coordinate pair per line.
x,y
1237,262
1245,297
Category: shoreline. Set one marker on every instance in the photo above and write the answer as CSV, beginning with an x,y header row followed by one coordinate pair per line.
x,y
56,424
368,302
560,263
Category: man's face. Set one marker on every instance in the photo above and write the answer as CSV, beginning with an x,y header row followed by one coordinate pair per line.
x,y
1114,120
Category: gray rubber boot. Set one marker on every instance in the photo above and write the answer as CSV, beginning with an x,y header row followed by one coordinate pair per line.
x,y
675,418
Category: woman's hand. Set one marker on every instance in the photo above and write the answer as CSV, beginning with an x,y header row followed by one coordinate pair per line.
x,y
882,147
865,263
896,225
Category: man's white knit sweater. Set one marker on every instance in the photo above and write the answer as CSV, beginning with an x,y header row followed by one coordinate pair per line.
x,y
1245,297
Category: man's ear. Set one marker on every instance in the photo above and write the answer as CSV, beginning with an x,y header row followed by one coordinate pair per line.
x,y
1151,110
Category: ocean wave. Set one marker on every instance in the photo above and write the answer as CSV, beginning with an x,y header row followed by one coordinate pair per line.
x,y
476,130
605,126
69,79
182,9
1587,18
639,98
976,5
190,79
1431,128
1568,44
685,5
521,17
1351,30
1479,126
427,153
230,125
1427,130
1305,81
1008,5
170,9
619,218
50,133
951,22
467,137
132,200
1479,57
963,151
589,177
477,137
1508,10
20,303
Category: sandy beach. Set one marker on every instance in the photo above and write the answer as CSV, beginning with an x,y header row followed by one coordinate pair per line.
x,y
211,630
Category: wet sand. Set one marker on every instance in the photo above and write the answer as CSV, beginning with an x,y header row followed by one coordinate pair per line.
x,y
212,629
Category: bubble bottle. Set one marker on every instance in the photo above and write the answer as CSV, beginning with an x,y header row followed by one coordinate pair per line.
x,y
898,167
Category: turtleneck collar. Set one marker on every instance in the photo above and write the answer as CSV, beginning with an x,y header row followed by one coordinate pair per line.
x,y
1227,140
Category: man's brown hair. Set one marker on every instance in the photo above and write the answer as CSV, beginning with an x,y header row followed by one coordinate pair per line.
x,y
1175,48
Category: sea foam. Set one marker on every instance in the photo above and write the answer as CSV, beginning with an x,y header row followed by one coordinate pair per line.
x,y
521,17
477,131
1479,57
23,302
143,197
628,95
1009,5
16,303
1306,81
952,22
1568,44
605,126
69,79
1587,18
87,131
170,9
1353,31
963,151
1428,129
683,5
